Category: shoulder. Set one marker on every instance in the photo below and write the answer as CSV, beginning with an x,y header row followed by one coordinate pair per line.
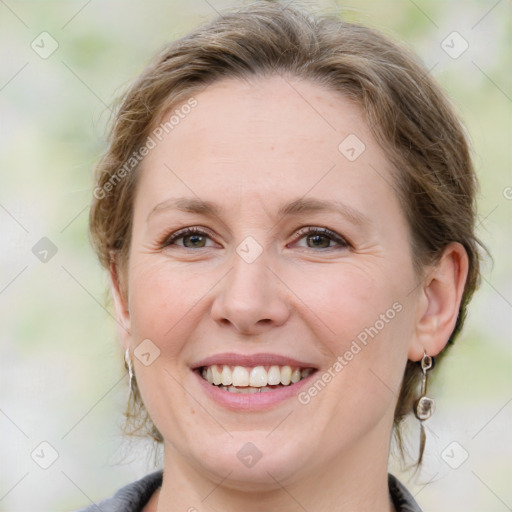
x,y
130,498
402,498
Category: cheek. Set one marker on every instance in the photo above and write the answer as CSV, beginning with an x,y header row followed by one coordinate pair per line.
x,y
162,297
366,320
367,323
347,299
161,309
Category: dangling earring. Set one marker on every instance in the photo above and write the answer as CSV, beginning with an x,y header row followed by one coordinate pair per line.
x,y
129,367
425,406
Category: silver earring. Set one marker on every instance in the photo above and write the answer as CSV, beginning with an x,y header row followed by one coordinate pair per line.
x,y
425,406
129,367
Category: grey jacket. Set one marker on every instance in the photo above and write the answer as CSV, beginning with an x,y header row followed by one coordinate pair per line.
x,y
134,496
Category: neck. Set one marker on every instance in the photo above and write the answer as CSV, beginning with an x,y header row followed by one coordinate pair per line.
x,y
354,480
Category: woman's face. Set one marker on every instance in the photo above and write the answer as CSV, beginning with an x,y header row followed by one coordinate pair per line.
x,y
252,167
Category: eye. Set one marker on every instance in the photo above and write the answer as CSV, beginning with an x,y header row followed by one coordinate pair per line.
x,y
193,238
196,238
321,238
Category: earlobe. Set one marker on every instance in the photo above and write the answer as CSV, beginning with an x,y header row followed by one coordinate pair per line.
x,y
439,304
120,298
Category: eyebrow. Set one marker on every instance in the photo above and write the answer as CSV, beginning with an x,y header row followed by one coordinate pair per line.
x,y
295,207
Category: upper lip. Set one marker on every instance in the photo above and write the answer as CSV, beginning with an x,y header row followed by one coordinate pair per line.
x,y
262,359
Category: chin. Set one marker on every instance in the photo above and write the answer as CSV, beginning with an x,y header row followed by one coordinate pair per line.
x,y
253,461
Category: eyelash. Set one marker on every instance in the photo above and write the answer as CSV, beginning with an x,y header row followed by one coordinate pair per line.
x,y
302,233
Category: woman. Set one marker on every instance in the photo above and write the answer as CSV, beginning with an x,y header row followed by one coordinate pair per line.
x,y
286,210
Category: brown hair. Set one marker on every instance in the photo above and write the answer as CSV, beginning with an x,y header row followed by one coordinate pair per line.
x,y
406,110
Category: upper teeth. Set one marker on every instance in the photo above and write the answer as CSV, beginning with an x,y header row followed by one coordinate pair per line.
x,y
256,376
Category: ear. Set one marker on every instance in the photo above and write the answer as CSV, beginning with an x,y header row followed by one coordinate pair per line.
x,y
439,302
121,307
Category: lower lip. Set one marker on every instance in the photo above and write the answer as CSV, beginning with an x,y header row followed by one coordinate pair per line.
x,y
252,401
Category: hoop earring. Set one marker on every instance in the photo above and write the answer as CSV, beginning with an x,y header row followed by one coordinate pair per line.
x,y
425,406
129,366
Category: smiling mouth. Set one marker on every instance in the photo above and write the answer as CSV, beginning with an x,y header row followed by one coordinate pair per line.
x,y
257,379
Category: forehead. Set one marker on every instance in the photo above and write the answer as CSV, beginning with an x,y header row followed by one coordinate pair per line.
x,y
267,137
268,113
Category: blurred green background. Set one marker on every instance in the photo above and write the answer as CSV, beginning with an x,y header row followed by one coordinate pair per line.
x,y
61,375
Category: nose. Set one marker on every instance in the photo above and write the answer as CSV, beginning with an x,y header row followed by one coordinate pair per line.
x,y
251,298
